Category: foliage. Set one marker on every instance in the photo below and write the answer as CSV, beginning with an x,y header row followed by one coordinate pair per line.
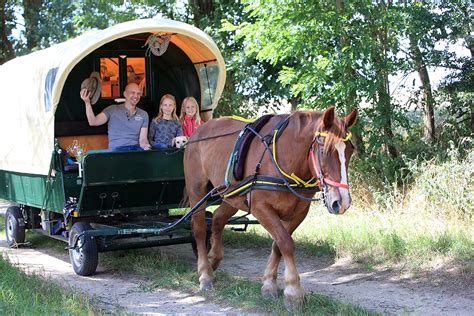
x,y
447,187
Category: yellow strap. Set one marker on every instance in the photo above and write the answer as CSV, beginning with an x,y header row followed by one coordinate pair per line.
x,y
239,118
348,136
324,134
307,184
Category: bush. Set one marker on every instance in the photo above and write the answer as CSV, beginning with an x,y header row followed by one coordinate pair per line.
x,y
446,188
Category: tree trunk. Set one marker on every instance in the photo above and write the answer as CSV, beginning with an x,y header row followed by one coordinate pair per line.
x,y
384,104
351,100
31,15
428,100
7,51
294,101
385,108
200,8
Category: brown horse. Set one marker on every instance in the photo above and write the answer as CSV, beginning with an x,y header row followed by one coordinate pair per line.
x,y
314,144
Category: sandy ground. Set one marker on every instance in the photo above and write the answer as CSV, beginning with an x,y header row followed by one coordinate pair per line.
x,y
383,291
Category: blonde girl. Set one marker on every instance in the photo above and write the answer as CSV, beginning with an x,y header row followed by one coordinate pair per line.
x,y
190,118
165,126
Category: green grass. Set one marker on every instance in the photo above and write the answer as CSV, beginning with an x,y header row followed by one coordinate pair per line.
x,y
417,225
22,294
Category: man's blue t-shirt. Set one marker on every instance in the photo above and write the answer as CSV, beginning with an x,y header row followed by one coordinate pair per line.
x,y
123,128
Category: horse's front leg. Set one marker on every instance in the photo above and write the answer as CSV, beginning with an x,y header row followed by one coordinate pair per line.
x,y
294,293
199,227
219,220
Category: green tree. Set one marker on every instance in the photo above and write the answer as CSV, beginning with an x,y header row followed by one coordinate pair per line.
x,y
7,50
333,52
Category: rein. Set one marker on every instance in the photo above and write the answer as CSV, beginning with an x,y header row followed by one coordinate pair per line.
x,y
212,137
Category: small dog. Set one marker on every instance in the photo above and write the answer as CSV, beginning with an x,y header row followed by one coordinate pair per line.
x,y
179,142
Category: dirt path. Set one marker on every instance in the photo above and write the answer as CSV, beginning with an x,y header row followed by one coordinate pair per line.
x,y
383,292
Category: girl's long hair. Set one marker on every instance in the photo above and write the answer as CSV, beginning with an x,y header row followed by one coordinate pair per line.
x,y
183,111
160,111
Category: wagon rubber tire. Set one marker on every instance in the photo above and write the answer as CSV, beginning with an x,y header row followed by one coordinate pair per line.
x,y
85,258
14,226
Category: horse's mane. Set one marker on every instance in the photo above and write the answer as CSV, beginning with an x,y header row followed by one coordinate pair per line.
x,y
335,133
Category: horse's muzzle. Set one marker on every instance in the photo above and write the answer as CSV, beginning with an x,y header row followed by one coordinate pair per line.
x,y
336,205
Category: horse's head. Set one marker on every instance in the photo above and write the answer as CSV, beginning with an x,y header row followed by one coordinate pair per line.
x,y
330,153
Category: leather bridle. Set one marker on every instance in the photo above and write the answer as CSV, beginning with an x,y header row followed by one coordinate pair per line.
x,y
316,163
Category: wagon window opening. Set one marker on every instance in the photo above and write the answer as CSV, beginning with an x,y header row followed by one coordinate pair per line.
x,y
208,75
136,72
109,73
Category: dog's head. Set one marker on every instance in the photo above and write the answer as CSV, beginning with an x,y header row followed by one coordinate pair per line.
x,y
179,142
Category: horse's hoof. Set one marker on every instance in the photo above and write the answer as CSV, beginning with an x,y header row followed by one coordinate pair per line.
x,y
270,292
293,304
294,298
206,286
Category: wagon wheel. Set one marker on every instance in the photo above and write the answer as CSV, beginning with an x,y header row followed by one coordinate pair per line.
x,y
208,236
85,257
14,226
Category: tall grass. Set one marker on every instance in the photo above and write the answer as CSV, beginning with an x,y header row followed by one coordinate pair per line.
x,y
420,225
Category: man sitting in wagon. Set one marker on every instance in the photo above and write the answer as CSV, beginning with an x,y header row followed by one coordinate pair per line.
x,y
127,124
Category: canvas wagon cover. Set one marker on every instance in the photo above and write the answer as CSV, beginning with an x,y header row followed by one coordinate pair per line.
x,y
31,87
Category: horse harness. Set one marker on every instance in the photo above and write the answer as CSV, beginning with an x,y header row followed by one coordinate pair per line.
x,y
289,183
286,183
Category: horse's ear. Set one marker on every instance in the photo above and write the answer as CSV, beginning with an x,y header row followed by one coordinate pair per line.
x,y
350,119
328,118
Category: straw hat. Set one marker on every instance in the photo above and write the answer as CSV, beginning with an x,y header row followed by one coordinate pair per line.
x,y
93,84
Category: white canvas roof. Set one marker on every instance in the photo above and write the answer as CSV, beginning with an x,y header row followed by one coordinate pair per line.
x,y
31,87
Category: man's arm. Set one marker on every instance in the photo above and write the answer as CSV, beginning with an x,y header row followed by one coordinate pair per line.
x,y
94,120
144,139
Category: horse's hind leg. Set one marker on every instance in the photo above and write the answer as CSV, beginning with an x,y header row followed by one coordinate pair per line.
x,y
196,188
219,220
270,288
199,227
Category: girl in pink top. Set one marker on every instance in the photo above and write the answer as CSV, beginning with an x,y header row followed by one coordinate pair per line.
x,y
190,119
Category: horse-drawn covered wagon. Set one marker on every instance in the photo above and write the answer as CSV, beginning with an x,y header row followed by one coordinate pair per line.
x,y
99,200
271,167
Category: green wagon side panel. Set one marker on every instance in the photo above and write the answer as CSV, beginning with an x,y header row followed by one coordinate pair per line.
x,y
131,181
30,189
